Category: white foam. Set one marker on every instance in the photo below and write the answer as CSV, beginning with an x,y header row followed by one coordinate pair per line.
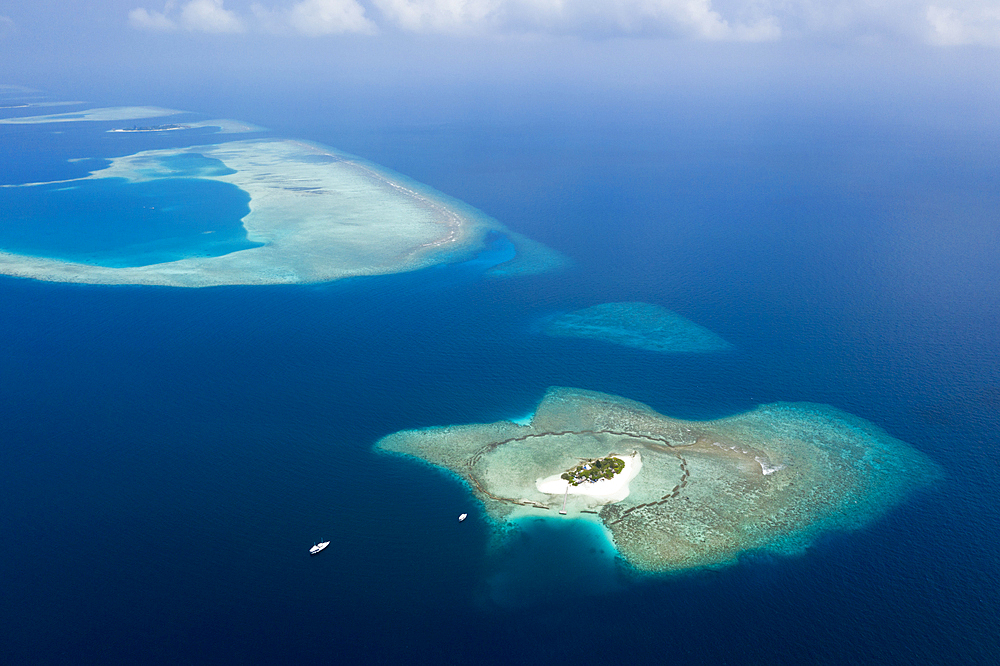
x,y
523,420
766,467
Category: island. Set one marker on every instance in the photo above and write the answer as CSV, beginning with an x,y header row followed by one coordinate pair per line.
x,y
594,471
675,494
315,215
150,128
635,324
219,126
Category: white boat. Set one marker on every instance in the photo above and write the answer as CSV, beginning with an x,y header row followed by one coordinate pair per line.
x,y
463,517
318,547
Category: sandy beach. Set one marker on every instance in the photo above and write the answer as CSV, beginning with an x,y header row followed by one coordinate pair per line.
x,y
614,489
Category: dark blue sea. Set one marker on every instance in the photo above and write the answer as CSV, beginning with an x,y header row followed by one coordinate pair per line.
x,y
167,456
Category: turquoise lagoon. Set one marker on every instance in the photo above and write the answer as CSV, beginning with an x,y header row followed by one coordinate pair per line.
x,y
116,223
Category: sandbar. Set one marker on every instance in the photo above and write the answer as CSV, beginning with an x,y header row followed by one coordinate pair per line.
x,y
700,493
94,115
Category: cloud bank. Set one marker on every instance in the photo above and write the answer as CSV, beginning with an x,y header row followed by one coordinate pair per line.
x,y
967,23
308,17
316,17
940,22
195,15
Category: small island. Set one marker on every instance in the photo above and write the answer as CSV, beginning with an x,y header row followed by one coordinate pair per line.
x,y
594,470
691,493
151,128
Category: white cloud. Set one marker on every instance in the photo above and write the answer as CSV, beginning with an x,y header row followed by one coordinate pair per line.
x,y
147,20
326,17
941,22
210,16
316,17
951,26
194,15
440,15
693,18
308,17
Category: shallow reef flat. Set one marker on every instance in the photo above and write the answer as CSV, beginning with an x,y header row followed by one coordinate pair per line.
x,y
705,492
94,115
320,215
635,324
226,126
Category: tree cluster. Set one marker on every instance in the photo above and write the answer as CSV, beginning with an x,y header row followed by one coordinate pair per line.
x,y
594,470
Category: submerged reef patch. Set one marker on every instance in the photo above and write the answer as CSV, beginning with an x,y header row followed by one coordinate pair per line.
x,y
640,325
700,493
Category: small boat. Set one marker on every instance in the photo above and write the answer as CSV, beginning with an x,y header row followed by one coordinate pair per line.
x,y
463,517
318,547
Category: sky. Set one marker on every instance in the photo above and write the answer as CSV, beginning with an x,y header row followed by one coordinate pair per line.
x,y
942,22
904,60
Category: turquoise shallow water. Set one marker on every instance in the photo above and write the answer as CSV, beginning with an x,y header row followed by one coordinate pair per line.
x,y
113,222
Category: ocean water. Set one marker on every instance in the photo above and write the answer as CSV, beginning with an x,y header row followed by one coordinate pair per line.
x,y
167,456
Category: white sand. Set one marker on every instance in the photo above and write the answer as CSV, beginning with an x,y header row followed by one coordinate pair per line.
x,y
614,489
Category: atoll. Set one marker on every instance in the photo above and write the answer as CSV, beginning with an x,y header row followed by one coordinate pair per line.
x,y
695,493
316,215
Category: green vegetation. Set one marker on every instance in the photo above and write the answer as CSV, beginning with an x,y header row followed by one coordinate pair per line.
x,y
594,470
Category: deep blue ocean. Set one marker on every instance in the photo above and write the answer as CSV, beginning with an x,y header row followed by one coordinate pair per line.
x,y
167,456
